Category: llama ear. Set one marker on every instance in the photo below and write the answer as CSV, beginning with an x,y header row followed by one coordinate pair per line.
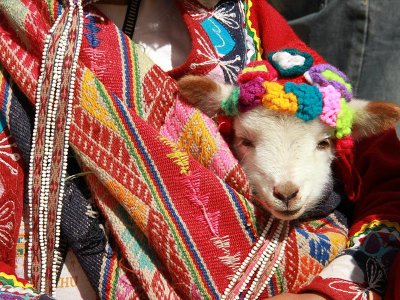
x,y
373,117
204,93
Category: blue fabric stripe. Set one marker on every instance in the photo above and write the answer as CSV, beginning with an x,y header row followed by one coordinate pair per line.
x,y
92,29
272,287
106,273
3,122
59,8
240,211
126,73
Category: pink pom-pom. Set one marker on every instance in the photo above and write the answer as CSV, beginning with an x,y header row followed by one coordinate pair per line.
x,y
331,105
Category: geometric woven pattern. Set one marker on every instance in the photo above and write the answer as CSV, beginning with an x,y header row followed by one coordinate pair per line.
x,y
182,234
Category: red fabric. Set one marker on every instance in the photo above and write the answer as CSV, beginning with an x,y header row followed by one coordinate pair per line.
x,y
11,193
376,158
200,43
10,270
333,288
378,164
344,166
275,33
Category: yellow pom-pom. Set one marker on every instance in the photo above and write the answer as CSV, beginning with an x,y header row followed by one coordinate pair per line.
x,y
277,99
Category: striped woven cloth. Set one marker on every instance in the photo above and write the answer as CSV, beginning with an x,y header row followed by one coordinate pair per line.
x,y
160,174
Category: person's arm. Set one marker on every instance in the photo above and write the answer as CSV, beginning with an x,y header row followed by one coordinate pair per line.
x,y
313,296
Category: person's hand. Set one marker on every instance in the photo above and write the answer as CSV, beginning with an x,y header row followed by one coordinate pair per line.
x,y
290,296
310,296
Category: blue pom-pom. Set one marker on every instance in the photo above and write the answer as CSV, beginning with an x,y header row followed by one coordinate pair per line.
x,y
309,100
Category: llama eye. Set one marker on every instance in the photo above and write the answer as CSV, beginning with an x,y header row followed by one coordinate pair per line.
x,y
247,143
324,144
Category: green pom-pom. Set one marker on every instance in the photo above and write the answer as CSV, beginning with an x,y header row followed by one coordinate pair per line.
x,y
230,105
344,120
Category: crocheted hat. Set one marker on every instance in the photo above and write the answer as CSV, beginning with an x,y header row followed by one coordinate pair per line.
x,y
289,83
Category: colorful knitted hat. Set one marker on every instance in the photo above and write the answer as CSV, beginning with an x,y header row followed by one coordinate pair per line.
x,y
323,90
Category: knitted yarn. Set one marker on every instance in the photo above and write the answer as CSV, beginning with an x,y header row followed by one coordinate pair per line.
x,y
344,120
309,100
325,74
277,99
251,93
290,62
331,100
316,91
259,68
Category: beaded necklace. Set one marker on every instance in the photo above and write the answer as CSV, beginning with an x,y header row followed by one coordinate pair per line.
x,y
49,152
259,266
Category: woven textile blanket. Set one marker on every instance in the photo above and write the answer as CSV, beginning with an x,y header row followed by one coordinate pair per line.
x,y
170,191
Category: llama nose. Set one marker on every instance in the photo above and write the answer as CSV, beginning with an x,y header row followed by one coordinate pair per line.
x,y
285,191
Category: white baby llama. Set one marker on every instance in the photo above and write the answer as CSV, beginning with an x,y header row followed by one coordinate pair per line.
x,y
287,160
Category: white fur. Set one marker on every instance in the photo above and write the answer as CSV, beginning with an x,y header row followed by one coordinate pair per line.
x,y
285,148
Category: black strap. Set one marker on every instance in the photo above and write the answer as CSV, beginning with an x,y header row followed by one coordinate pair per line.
x,y
130,18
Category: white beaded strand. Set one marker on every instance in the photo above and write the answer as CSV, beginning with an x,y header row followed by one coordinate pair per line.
x,y
265,259
33,141
262,262
50,128
245,263
57,255
49,135
276,265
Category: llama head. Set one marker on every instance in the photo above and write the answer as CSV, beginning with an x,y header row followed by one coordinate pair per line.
x,y
286,151
287,160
